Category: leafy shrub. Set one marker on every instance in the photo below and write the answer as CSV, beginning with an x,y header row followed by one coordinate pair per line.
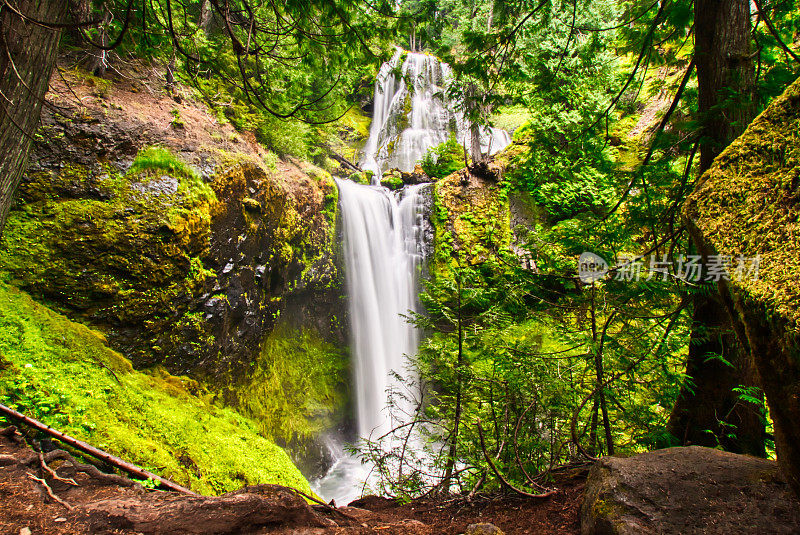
x,y
443,159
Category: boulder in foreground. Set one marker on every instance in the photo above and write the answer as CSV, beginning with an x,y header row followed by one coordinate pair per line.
x,y
688,490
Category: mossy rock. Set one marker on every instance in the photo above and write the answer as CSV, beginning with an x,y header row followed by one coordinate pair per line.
x,y
472,220
748,205
687,490
65,375
392,181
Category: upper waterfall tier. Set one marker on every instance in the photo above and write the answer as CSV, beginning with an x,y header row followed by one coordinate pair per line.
x,y
412,113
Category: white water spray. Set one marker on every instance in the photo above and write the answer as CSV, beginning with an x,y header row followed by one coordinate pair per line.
x,y
382,254
384,249
413,113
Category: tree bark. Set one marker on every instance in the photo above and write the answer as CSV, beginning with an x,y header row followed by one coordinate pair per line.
x,y
725,73
27,56
710,414
206,16
725,77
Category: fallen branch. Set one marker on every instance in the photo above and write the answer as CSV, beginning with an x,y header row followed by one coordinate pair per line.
x,y
344,161
49,491
500,476
104,456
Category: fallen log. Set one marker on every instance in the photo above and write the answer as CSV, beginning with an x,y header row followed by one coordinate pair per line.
x,y
97,453
344,161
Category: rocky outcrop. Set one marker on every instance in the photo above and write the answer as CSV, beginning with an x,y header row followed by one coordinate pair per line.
x,y
185,243
687,490
471,218
748,205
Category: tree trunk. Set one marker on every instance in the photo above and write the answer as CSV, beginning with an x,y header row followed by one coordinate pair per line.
x,y
98,58
27,55
725,77
725,73
453,450
710,414
206,16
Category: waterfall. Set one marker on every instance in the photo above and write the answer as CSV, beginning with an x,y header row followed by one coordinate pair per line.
x,y
412,113
384,250
382,253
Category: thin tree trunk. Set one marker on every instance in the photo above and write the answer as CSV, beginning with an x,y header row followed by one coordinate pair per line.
x,y
98,62
206,16
599,373
97,453
27,56
453,450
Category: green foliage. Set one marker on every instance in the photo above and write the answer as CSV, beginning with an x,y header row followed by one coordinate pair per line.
x,y
296,388
64,374
155,160
443,159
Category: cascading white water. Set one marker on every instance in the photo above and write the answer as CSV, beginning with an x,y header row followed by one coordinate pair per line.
x,y
382,253
413,113
384,249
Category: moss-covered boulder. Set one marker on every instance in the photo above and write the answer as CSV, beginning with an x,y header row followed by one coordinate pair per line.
x,y
471,217
748,204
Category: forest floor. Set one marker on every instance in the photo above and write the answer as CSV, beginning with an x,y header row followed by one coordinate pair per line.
x,y
95,506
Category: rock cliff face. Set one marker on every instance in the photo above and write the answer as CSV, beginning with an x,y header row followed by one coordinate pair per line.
x,y
185,243
749,204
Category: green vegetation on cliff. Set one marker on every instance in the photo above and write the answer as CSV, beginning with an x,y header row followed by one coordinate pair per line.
x,y
296,388
64,374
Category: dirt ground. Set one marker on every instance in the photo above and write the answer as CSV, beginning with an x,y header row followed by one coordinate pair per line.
x,y
94,505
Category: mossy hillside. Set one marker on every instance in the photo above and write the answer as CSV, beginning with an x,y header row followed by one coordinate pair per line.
x,y
297,388
88,251
144,252
182,272
64,374
131,255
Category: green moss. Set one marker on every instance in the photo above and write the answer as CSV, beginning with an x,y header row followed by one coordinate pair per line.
x,y
330,207
364,177
355,121
64,374
747,205
510,117
155,161
297,386
392,182
471,223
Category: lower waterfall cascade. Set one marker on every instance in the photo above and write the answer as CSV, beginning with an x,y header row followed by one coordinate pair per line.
x,y
383,254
